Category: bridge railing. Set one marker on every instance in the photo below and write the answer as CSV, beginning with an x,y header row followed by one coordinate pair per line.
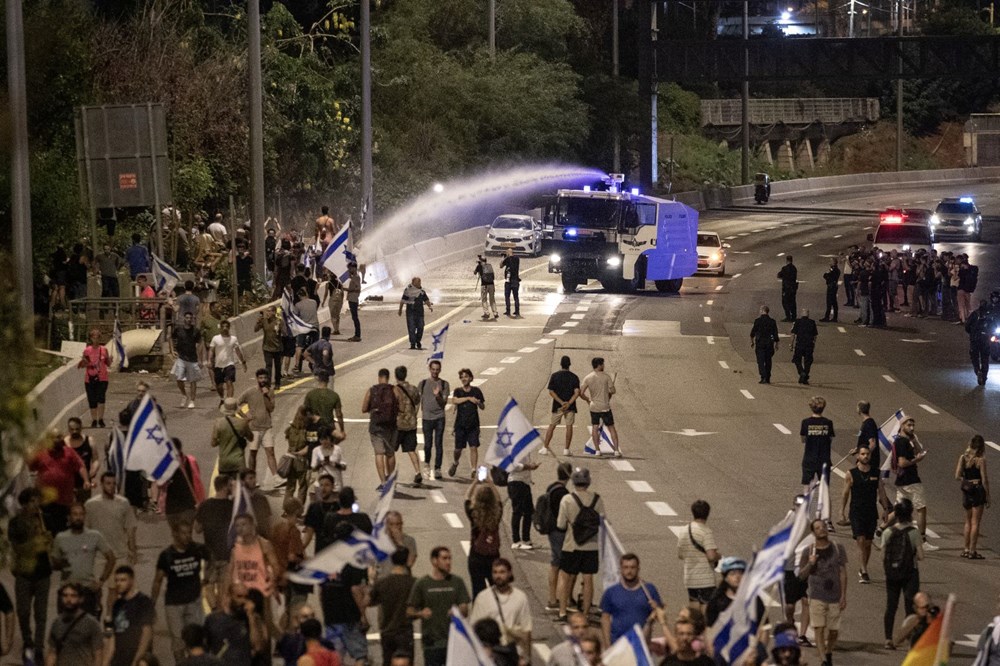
x,y
790,111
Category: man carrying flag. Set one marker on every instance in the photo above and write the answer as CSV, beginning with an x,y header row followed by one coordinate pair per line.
x,y
934,646
629,650
338,255
464,647
147,447
295,324
434,600
605,448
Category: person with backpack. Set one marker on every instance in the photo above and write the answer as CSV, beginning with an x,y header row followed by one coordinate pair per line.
x,y
697,549
544,520
484,509
468,400
580,513
484,271
824,566
406,421
381,403
902,548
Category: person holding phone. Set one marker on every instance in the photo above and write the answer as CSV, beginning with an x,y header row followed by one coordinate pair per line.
x,y
468,400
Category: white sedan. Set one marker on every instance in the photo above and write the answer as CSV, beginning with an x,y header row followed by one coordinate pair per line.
x,y
711,253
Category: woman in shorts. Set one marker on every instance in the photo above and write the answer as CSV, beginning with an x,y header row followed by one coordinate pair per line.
x,y
971,472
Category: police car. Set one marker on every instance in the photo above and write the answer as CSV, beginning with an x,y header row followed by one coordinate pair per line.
x,y
711,253
957,217
904,230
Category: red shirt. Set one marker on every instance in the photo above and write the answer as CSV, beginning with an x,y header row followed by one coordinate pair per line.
x,y
95,364
57,474
321,656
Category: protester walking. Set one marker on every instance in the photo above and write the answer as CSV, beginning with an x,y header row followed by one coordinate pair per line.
x,y
333,298
434,394
487,289
431,600
353,299
32,569
521,505
468,401
259,403
414,299
580,513
697,549
824,566
187,350
95,379
484,509
382,404
224,351
859,506
627,603
406,420
901,550
180,565
270,324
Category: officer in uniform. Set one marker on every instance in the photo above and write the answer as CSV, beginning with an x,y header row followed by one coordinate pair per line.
x,y
804,332
763,339
831,277
979,326
789,276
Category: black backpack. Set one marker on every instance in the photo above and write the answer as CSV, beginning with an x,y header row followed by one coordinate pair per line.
x,y
587,523
900,557
546,511
383,406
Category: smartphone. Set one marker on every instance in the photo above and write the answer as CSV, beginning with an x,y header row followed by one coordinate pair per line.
x,y
355,507
481,473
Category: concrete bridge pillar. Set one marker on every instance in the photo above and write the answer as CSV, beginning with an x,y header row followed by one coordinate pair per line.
x,y
764,152
804,155
785,158
822,152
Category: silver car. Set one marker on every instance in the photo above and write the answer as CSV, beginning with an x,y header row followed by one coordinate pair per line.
x,y
957,217
521,233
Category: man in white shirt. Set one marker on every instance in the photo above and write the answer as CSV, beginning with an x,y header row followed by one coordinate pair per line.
x,y
696,547
224,351
597,389
507,605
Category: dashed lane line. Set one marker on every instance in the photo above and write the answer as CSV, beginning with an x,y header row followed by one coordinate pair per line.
x,y
466,546
993,445
780,254
782,429
571,324
747,394
577,316
710,339
510,359
543,341
929,409
526,350
719,288
622,465
723,365
640,486
745,233
889,379
661,508
479,381
708,320
807,245
437,497
490,372
729,238
839,236
582,308
709,302
859,352
841,329
453,520
736,276
757,264
559,331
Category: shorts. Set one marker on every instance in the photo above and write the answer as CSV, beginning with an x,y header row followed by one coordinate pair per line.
x,y
226,374
303,340
214,570
351,639
607,417
975,496
384,443
810,473
824,614
796,589
287,346
556,540
576,562
913,492
864,525
265,437
96,391
186,371
407,440
562,417
700,595
466,437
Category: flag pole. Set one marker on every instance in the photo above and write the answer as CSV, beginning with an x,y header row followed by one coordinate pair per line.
x,y
944,641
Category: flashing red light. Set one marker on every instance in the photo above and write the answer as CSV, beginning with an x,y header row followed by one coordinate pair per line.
x,y
891,218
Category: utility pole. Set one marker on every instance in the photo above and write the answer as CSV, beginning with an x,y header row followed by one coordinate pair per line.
x,y
654,111
617,158
899,87
256,138
20,188
850,20
745,99
493,30
367,206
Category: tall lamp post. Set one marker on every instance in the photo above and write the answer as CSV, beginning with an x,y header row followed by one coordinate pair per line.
x,y
20,179
367,205
256,138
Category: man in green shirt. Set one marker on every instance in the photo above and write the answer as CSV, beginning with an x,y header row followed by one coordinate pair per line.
x,y
325,402
431,600
231,435
268,322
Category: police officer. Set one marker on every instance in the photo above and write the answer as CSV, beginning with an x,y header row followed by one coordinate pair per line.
x,y
831,277
763,339
789,276
511,266
979,326
804,332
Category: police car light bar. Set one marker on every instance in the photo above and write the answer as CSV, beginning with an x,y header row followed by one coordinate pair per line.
x,y
891,218
965,200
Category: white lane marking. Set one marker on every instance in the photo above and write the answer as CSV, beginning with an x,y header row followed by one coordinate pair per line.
x,y
841,329
582,308
622,465
932,534
719,288
724,365
543,650
466,546
559,331
661,508
807,245
782,429
839,472
929,409
438,497
859,352
867,228
489,372
747,394
510,359
708,320
710,339
640,486
757,264
729,238
889,379
571,324
781,254
678,530
756,231
453,520
709,302
577,316
543,341
771,228
479,381
993,445
736,276
744,234
526,350
838,235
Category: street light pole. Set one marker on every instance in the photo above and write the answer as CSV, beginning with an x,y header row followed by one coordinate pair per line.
x,y
367,205
256,137
745,100
899,87
20,179
617,158
493,30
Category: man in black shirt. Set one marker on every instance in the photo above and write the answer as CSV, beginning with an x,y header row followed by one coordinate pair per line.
x,y
468,400
764,338
344,600
804,332
132,619
789,276
316,523
511,266
868,435
817,436
187,363
564,387
180,564
831,277
212,518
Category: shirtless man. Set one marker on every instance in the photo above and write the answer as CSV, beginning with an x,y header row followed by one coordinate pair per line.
x,y
325,227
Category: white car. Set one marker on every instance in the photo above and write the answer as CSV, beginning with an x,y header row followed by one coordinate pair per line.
x,y
711,253
521,233
905,230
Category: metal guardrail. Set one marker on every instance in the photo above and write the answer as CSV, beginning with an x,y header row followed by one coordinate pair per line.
x,y
790,111
100,313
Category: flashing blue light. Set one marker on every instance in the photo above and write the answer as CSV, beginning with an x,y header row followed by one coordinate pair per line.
x,y
586,188
635,191
570,232
965,200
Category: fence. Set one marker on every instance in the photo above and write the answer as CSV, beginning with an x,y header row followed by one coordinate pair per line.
x,y
790,111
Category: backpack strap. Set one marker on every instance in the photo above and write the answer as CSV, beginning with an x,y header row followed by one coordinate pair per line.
x,y
576,498
594,503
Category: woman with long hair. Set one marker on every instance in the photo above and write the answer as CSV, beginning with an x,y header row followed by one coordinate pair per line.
x,y
971,473
484,507
95,380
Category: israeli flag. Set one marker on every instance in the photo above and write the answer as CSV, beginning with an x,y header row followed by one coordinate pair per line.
x,y
241,505
886,435
337,254
359,550
147,447
611,553
116,458
116,338
605,447
296,325
823,495
385,500
165,278
437,344
515,438
464,648
629,650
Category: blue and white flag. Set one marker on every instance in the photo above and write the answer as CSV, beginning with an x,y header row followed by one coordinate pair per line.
x,y
606,447
384,500
611,554
515,438
464,648
886,435
629,650
116,338
241,505
295,324
147,447
165,278
359,550
116,458
437,344
338,254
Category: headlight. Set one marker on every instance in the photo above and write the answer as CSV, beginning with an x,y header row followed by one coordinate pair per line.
x,y
527,238
935,219
491,236
614,261
997,332
554,258
906,248
716,256
969,222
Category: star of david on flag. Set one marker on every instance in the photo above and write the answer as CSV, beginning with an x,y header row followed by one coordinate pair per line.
x,y
165,278
147,446
296,325
605,447
337,254
437,344
515,438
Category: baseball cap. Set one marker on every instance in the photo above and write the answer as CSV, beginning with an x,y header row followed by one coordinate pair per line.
x,y
785,639
581,476
229,406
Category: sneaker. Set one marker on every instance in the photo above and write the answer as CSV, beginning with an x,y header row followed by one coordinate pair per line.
x,y
184,402
562,619
452,468
552,605
436,474
354,338
932,547
190,404
805,642
100,423
565,452
93,424
527,545
865,578
418,479
544,451
516,545
618,454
